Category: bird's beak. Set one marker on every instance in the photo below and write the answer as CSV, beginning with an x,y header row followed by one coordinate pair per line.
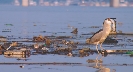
x,y
110,20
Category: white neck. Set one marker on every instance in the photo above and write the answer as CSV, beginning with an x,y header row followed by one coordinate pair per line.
x,y
107,28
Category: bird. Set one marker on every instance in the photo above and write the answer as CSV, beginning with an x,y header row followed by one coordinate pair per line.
x,y
113,25
100,36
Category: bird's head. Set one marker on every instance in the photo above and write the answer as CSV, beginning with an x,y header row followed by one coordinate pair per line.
x,y
108,21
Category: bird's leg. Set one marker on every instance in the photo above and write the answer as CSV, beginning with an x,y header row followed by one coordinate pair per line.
x,y
97,48
101,58
101,47
97,60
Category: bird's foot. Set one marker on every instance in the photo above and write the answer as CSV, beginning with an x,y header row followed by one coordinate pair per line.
x,y
104,53
98,52
103,50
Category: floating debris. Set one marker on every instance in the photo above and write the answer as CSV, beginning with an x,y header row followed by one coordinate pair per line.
x,y
34,25
61,32
17,56
15,52
13,44
6,31
3,39
129,52
36,46
63,37
21,66
94,61
120,23
43,31
47,42
45,49
70,54
119,31
9,24
94,27
2,48
42,63
39,38
75,31
83,53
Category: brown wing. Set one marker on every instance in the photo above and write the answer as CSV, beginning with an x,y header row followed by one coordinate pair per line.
x,y
96,37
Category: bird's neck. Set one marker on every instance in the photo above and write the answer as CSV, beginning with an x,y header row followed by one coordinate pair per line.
x,y
107,28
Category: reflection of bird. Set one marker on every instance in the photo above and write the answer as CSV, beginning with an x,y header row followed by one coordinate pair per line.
x,y
103,69
98,64
100,67
101,35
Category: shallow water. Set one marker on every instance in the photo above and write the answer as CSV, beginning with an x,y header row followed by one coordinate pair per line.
x,y
56,19
113,62
32,21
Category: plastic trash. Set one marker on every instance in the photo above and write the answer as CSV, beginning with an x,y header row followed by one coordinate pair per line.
x,y
129,52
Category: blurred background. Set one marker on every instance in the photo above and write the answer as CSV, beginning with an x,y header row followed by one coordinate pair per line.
x,y
114,3
32,17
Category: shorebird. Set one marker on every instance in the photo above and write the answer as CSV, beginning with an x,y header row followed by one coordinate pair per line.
x,y
113,24
100,36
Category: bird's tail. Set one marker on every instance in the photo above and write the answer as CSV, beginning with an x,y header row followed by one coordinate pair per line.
x,y
88,41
